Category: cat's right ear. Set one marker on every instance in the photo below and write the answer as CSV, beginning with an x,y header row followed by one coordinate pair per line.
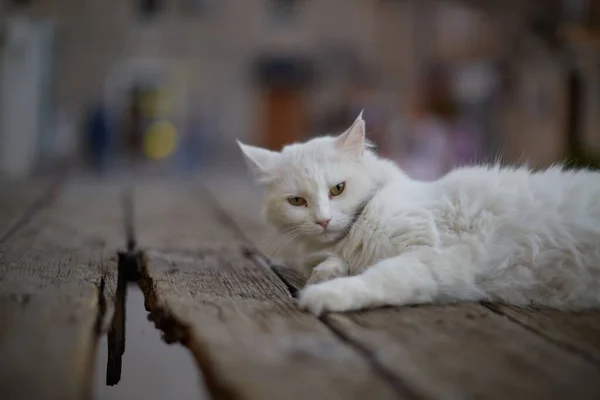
x,y
353,142
260,161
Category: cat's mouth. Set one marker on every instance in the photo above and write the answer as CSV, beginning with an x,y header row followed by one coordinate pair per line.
x,y
333,235
330,235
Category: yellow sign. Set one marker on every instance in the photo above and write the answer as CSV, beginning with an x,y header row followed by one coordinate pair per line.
x,y
160,140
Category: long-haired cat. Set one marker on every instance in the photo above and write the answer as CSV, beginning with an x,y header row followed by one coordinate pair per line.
x,y
489,233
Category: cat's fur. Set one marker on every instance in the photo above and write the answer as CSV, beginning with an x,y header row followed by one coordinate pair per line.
x,y
479,233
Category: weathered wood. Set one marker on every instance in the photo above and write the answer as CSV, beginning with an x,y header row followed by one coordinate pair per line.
x,y
575,331
465,350
237,317
468,351
56,280
16,198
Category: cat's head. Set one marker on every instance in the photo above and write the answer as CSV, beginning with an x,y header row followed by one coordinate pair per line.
x,y
315,189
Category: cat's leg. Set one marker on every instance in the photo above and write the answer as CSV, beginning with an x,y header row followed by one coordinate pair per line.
x,y
332,267
419,276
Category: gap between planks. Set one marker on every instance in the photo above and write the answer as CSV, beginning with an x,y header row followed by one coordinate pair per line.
x,y
174,330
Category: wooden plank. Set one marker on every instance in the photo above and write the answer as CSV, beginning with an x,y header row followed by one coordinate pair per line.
x,y
466,351
16,199
575,331
237,317
459,351
53,298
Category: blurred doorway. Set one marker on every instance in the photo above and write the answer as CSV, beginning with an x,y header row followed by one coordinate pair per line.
x,y
283,86
284,118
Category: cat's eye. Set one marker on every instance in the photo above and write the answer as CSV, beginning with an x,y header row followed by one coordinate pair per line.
x,y
337,189
296,201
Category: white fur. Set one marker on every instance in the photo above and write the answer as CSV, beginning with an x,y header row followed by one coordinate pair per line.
x,y
506,235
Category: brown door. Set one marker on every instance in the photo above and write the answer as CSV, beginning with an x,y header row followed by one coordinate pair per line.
x,y
284,118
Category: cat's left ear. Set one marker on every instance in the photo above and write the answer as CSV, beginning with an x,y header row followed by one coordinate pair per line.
x,y
353,142
260,161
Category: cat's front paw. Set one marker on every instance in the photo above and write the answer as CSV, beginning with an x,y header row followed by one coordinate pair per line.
x,y
320,276
342,294
329,269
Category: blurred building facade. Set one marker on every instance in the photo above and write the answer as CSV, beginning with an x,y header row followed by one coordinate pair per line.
x,y
270,71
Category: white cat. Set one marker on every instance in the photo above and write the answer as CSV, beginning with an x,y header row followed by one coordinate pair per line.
x,y
480,233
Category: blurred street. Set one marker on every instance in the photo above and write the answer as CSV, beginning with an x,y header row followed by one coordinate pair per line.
x,y
170,85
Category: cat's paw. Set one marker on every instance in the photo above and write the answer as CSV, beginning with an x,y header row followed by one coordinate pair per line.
x,y
342,294
320,276
331,268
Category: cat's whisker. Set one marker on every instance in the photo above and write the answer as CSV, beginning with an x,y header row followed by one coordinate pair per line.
x,y
279,241
276,235
279,245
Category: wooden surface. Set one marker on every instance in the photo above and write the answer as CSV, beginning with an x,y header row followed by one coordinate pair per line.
x,y
459,351
18,200
575,332
207,286
51,272
249,338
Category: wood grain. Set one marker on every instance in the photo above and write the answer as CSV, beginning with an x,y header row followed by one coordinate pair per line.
x,y
578,332
237,317
16,198
56,277
463,350
466,351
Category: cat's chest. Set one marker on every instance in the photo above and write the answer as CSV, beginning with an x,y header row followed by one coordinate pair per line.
x,y
359,251
376,236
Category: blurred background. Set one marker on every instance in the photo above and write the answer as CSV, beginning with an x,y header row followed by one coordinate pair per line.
x,y
94,84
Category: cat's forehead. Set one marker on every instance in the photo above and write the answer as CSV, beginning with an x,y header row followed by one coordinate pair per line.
x,y
315,150
305,176
309,167
308,173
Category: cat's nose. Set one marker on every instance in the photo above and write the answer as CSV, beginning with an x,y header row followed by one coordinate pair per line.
x,y
324,223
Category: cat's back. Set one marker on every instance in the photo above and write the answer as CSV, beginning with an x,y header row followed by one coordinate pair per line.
x,y
551,187
549,200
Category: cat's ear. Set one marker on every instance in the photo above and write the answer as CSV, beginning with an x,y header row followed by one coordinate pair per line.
x,y
260,161
353,142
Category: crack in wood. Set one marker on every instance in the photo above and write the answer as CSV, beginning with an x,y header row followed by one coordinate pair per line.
x,y
101,287
260,260
116,333
129,266
175,331
399,387
133,267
